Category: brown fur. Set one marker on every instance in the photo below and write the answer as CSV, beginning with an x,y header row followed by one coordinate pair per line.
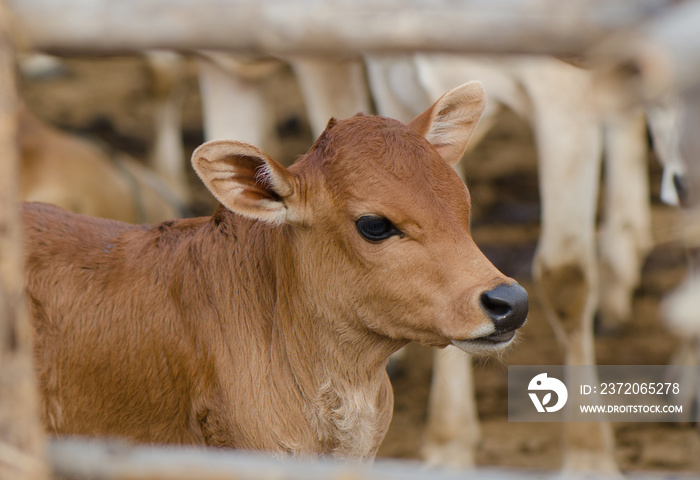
x,y
269,328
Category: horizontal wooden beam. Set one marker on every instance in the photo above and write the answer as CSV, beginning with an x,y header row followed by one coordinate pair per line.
x,y
88,460
327,26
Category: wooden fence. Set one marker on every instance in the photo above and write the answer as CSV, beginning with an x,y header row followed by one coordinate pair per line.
x,y
328,26
84,460
21,437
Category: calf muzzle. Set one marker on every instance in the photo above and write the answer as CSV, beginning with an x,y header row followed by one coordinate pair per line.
x,y
507,306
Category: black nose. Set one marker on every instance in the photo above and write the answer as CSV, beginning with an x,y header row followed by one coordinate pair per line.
x,y
507,306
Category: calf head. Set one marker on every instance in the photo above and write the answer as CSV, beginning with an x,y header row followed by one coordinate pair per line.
x,y
379,224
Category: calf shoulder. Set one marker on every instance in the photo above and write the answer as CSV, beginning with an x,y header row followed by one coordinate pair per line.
x,y
114,351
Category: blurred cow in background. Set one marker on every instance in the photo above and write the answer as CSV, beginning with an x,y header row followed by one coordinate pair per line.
x,y
90,178
675,126
83,177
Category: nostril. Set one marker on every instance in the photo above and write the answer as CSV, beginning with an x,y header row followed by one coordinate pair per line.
x,y
496,306
507,305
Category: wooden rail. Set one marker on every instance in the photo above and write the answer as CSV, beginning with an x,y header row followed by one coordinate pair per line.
x,y
328,26
651,45
83,460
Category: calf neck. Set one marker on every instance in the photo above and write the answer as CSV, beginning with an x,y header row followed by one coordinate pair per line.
x,y
269,324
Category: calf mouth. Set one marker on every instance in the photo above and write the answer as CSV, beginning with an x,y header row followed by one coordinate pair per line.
x,y
486,344
496,338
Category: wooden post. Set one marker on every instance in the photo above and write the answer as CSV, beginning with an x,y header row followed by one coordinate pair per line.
x,y
21,436
333,27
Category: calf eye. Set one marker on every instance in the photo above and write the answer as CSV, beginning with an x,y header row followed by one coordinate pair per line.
x,y
375,228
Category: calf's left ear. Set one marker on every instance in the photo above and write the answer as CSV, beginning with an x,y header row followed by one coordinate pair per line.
x,y
247,181
450,122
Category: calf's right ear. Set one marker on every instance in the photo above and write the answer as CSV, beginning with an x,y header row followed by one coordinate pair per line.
x,y
247,181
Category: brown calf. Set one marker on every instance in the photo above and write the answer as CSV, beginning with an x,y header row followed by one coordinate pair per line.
x,y
269,325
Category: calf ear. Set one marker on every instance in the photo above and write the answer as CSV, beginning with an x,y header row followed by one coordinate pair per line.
x,y
245,180
450,122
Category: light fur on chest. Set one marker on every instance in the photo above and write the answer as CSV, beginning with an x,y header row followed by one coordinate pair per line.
x,y
348,420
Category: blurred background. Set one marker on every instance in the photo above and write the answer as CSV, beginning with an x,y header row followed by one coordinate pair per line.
x,y
117,107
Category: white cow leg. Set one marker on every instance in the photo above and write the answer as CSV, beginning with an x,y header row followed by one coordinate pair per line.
x,y
233,101
568,139
453,432
331,87
168,152
567,293
396,89
680,307
625,236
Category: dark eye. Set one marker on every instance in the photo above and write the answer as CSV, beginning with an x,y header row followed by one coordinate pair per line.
x,y
376,229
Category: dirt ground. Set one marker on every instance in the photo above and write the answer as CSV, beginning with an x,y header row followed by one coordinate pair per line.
x,y
111,99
